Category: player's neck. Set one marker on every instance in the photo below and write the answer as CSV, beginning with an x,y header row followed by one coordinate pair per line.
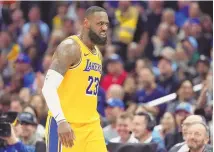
x,y
86,40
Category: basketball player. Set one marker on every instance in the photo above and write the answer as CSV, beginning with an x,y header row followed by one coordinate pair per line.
x,y
71,86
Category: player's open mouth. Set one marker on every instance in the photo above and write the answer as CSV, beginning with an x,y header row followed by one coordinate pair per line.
x,y
103,34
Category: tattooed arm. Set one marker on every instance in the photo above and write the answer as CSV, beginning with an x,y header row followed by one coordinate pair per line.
x,y
67,54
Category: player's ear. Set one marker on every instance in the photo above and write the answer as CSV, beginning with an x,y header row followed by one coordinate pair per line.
x,y
86,23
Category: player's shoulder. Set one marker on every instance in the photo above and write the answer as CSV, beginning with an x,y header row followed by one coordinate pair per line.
x,y
69,43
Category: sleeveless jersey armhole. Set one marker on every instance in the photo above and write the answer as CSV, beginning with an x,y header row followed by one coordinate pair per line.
x,y
77,64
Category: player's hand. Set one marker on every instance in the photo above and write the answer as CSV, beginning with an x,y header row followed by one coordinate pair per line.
x,y
66,134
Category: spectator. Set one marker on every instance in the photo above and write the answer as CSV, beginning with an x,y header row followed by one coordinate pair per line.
x,y
142,129
13,144
34,17
161,39
185,94
17,21
202,69
40,131
58,20
126,17
133,52
9,49
69,27
194,10
5,103
150,92
24,68
182,14
192,119
116,73
115,91
167,125
29,125
112,111
154,14
167,78
129,90
123,127
169,18
16,104
182,111
198,137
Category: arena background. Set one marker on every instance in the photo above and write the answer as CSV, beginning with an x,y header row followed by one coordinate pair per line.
x,y
170,41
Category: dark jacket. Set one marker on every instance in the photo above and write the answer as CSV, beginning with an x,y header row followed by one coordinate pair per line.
x,y
172,139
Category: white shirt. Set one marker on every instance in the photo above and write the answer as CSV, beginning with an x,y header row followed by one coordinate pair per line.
x,y
148,140
131,139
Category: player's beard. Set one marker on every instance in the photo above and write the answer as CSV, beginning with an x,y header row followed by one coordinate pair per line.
x,y
96,39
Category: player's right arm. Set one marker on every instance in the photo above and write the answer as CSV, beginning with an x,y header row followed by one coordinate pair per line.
x,y
67,54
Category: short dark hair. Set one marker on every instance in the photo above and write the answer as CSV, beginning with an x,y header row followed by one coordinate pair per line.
x,y
94,9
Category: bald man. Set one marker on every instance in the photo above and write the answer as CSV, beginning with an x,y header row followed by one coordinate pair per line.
x,y
185,126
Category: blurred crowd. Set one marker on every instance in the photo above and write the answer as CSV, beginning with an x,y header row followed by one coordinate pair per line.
x,y
152,51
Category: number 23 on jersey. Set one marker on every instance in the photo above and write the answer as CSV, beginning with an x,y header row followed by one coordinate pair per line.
x,y
93,86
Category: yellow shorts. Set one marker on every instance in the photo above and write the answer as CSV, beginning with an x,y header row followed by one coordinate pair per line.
x,y
89,137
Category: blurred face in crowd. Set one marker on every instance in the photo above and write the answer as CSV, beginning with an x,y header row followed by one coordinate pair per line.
x,y
123,127
124,5
168,17
163,31
180,116
17,16
68,27
147,78
5,40
202,69
115,68
185,92
195,30
32,53
112,113
197,137
168,122
207,24
140,64
16,106
62,10
129,85
188,48
187,122
34,14
115,91
139,126
165,67
28,130
194,10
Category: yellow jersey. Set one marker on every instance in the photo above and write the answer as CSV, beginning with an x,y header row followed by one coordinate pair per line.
x,y
79,88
